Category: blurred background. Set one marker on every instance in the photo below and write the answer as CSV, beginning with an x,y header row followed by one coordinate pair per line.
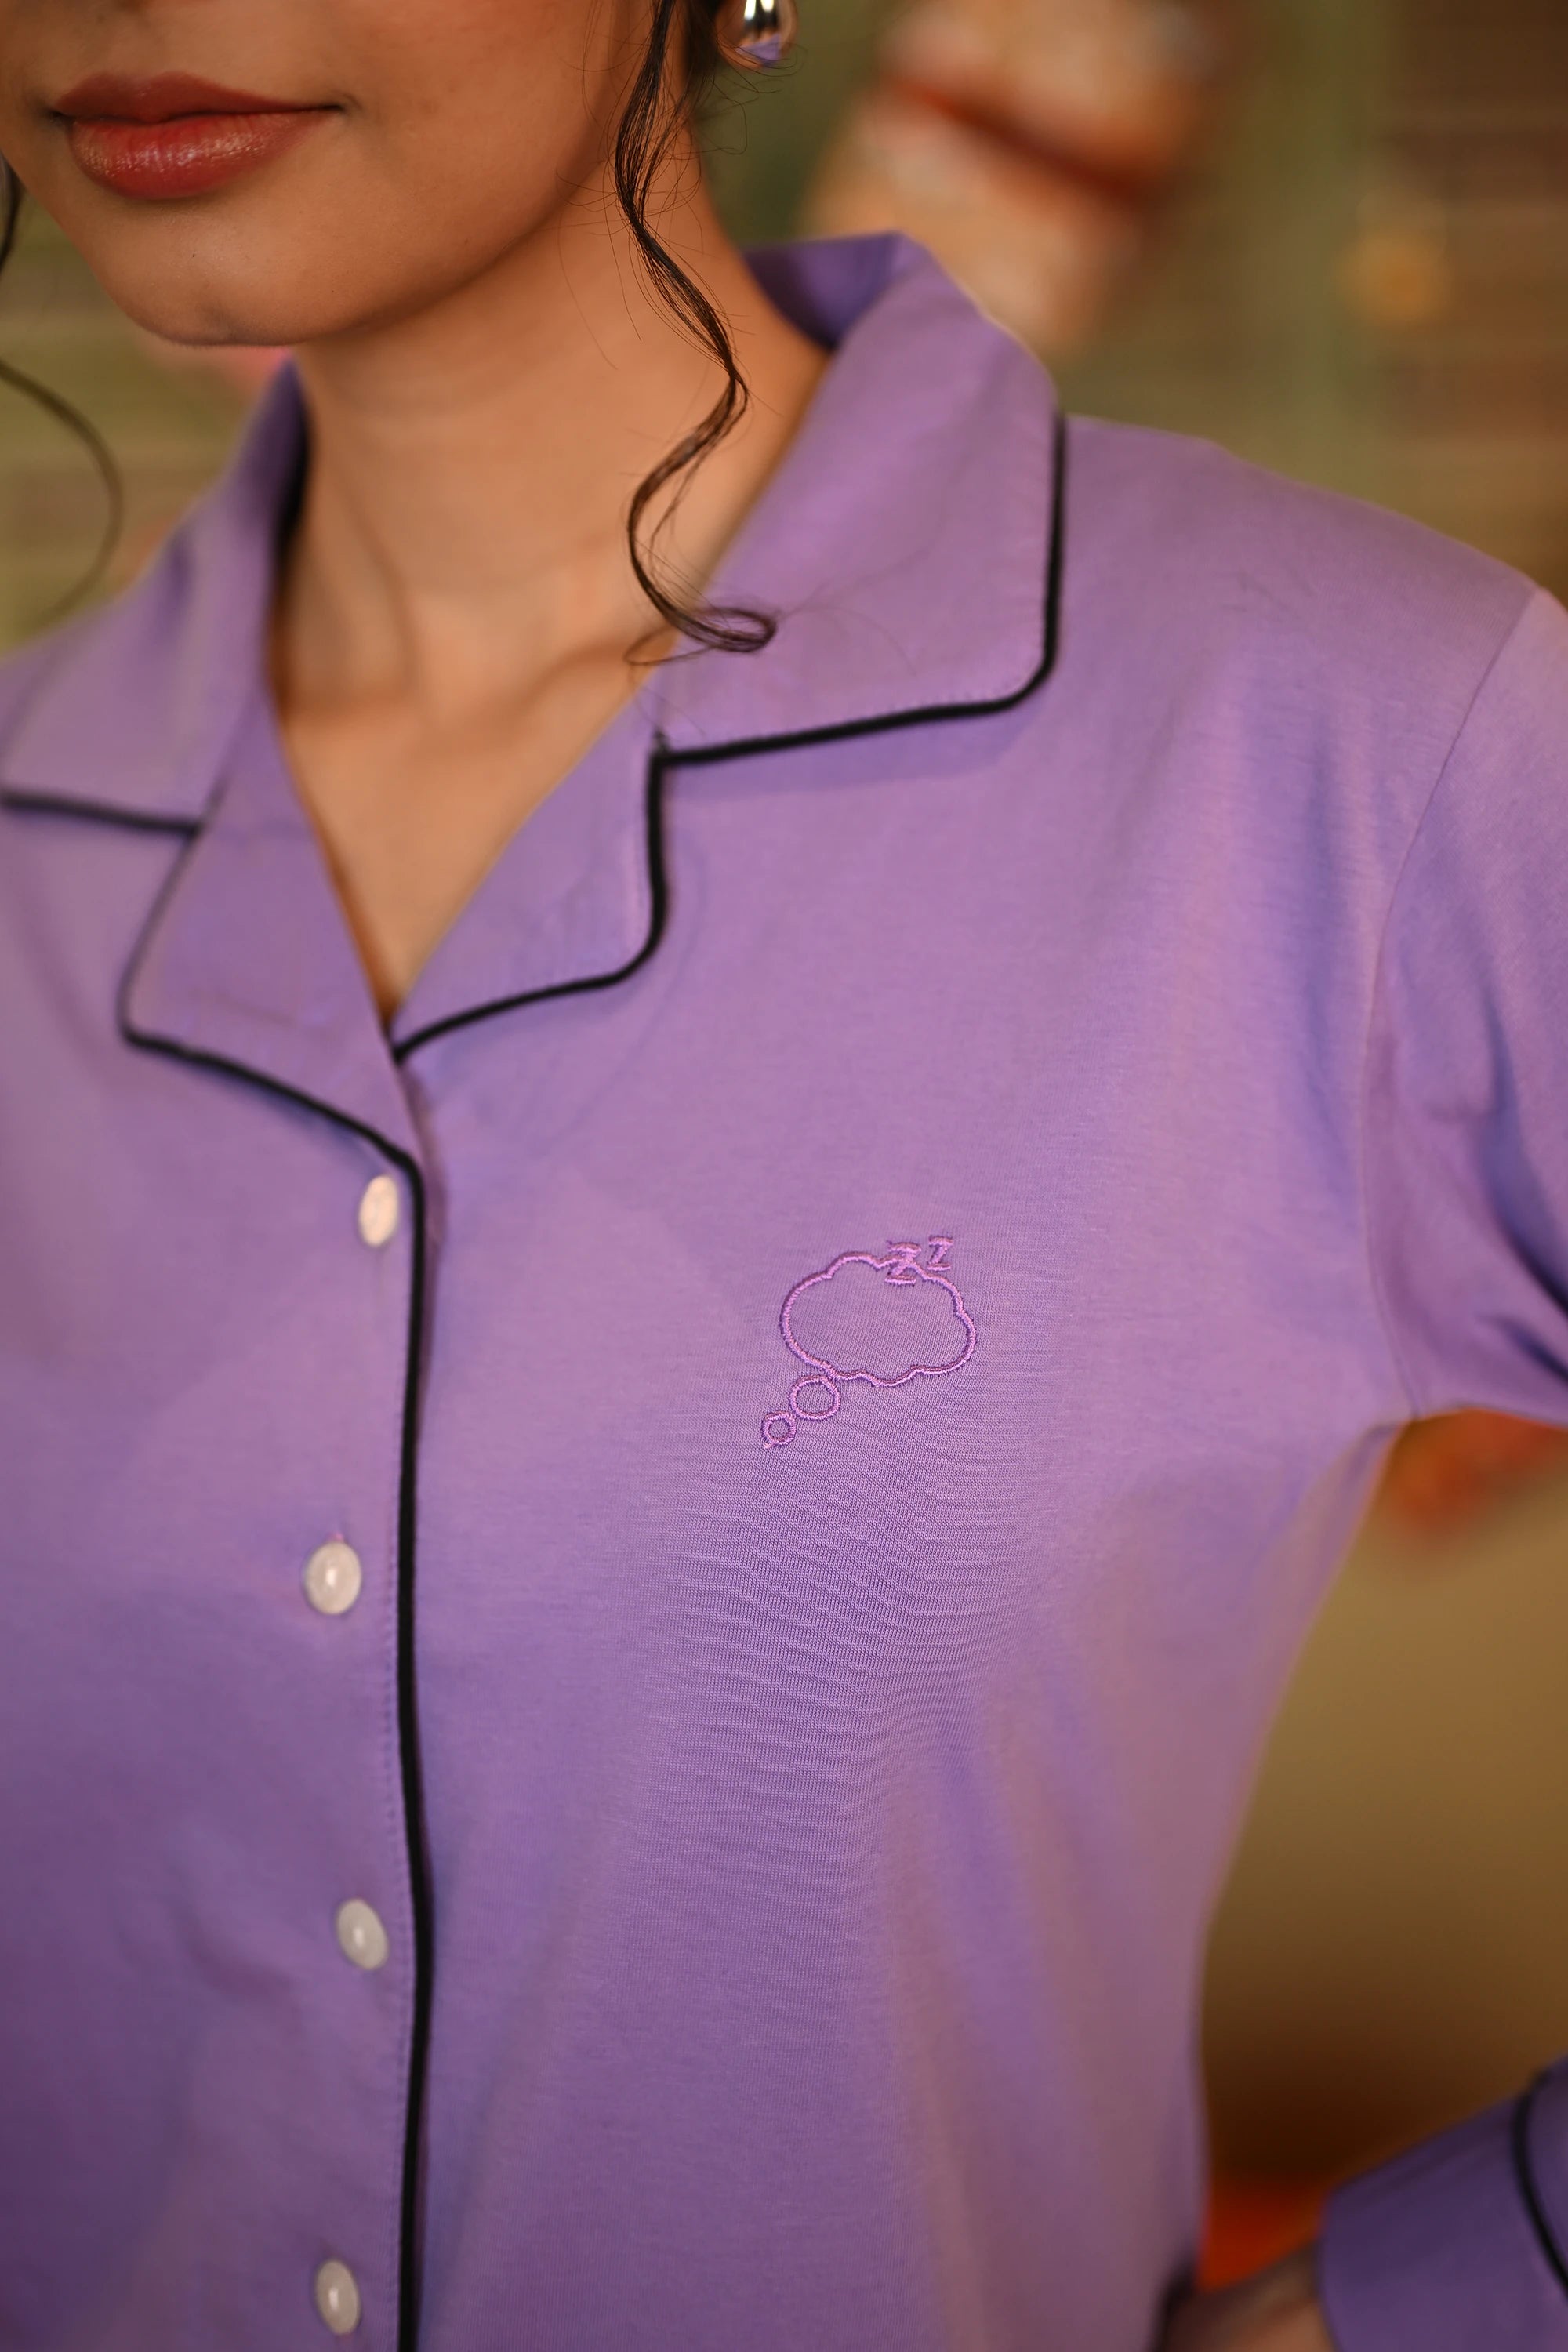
x,y
1332,234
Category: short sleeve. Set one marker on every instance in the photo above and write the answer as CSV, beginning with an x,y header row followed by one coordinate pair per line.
x,y
1466,1074
1461,2245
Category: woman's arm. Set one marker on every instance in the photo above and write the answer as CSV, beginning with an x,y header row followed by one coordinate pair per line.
x,y
1276,2312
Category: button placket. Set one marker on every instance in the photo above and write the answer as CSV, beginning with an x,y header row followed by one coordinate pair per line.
x,y
333,1579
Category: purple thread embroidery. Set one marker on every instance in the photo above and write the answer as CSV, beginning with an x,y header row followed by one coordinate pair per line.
x,y
817,1395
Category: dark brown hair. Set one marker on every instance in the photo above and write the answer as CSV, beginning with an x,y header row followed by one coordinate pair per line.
x,y
683,43
678,67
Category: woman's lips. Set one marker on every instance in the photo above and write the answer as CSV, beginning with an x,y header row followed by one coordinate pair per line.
x,y
173,135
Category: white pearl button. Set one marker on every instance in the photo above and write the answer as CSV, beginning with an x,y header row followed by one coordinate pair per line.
x,y
337,2298
379,1210
332,1578
361,1934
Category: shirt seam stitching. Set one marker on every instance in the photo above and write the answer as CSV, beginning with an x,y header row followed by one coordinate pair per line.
x,y
1374,1275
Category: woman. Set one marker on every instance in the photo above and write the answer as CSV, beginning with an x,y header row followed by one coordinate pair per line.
x,y
705,1249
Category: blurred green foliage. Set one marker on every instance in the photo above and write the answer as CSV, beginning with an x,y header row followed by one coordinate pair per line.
x,y
169,428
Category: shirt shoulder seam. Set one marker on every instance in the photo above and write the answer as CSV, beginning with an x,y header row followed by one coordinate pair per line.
x,y
1374,996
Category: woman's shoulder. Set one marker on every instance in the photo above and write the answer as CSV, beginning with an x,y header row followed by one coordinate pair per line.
x,y
1311,634
28,668
1183,536
45,674
116,710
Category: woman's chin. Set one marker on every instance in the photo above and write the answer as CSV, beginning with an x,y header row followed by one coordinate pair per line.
x,y
225,268
245,367
207,311
202,335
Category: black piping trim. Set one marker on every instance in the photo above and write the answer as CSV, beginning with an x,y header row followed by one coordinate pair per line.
x,y
666,756
32,804
931,714
1529,2188
408,1754
659,909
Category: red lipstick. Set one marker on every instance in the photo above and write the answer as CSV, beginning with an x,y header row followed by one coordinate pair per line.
x,y
174,135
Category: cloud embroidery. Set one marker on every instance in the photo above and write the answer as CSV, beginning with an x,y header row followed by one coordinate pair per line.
x,y
882,1320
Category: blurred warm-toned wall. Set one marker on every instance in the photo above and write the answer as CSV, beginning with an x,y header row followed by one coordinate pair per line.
x,y
1393,1949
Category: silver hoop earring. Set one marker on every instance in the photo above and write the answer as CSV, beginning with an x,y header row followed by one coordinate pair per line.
x,y
755,35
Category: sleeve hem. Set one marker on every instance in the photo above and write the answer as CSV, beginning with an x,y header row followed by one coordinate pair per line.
x,y
1522,2149
1448,2247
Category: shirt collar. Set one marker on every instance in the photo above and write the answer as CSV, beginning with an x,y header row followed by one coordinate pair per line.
x,y
247,963
904,543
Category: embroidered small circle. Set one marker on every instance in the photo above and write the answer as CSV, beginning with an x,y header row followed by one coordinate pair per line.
x,y
778,1428
815,1380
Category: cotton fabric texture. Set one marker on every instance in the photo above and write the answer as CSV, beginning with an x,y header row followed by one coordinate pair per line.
x,y
926,1176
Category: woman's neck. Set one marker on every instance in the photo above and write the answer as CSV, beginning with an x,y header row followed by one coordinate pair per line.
x,y
457,616
464,519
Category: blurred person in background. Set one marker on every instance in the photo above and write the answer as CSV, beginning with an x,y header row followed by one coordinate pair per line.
x,y
739,1087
